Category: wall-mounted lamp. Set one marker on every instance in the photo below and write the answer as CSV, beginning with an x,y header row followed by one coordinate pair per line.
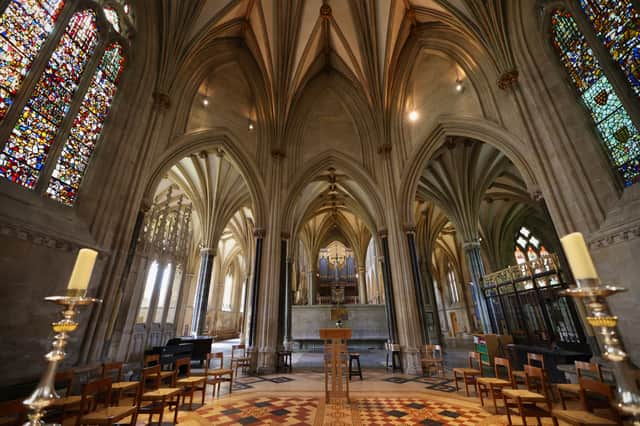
x,y
413,115
251,125
459,85
205,101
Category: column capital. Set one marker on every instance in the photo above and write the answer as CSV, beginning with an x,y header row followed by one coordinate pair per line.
x,y
385,149
508,79
259,232
206,250
469,245
383,233
161,99
285,235
409,228
278,154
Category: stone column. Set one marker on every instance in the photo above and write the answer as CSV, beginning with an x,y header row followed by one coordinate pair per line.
x,y
199,320
417,282
362,284
255,286
428,283
476,270
288,302
388,290
311,296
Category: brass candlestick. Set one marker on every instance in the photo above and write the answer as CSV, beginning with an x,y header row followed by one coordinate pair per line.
x,y
600,318
45,393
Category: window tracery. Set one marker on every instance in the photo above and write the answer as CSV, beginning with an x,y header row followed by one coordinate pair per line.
x,y
620,136
34,137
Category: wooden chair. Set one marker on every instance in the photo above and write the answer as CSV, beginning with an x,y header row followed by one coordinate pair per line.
x,y
469,375
67,405
571,391
216,376
239,361
586,416
189,384
13,413
113,370
433,358
166,377
155,397
93,395
525,401
493,385
536,360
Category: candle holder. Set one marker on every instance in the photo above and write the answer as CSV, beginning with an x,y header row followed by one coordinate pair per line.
x,y
45,393
600,318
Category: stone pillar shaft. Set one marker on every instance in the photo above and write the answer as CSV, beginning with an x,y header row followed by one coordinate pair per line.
x,y
362,285
420,299
202,291
388,292
255,286
476,269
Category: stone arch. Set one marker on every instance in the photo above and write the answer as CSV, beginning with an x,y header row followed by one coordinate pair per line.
x,y
194,142
347,165
469,127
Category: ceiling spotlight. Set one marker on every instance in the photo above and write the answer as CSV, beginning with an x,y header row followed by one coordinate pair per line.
x,y
251,126
459,85
205,102
413,115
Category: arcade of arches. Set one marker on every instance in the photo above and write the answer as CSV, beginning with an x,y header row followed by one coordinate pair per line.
x,y
243,166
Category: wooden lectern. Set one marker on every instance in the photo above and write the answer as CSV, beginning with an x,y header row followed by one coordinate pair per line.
x,y
336,377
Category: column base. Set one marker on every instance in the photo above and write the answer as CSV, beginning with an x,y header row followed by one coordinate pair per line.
x,y
411,361
265,361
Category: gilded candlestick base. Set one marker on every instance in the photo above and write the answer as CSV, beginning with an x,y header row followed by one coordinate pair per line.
x,y
600,318
45,393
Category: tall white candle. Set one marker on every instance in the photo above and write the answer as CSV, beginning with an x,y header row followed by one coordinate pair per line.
x,y
82,270
578,256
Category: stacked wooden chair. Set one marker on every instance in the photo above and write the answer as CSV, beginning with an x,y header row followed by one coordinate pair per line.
x,y
605,399
239,359
96,406
152,399
188,383
166,376
432,359
469,375
571,391
536,360
527,402
119,388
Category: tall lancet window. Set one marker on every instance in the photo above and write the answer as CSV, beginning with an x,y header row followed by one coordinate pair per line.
x,y
619,135
49,141
617,23
25,152
87,125
24,27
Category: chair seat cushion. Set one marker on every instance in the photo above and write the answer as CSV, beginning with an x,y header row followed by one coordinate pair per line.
x,y
466,370
493,381
194,380
120,386
569,387
109,413
219,372
160,393
518,373
524,395
582,417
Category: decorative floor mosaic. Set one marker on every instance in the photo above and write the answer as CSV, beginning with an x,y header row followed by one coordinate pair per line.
x,y
433,383
246,382
361,411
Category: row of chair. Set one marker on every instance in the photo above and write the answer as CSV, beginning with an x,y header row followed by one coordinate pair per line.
x,y
536,399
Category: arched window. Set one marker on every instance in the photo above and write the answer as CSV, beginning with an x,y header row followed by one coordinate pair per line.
x,y
87,125
453,286
226,293
35,135
617,23
24,27
528,247
620,136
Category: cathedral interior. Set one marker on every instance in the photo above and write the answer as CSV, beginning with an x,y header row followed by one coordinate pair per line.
x,y
336,211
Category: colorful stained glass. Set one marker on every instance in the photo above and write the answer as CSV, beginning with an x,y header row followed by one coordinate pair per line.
x,y
112,17
25,152
70,168
621,138
24,27
617,23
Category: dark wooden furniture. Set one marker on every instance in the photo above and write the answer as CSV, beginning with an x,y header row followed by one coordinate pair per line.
x,y
354,357
284,363
188,383
95,394
525,402
152,399
571,391
606,400
432,358
113,370
537,360
239,359
216,376
67,405
166,376
493,385
13,413
469,375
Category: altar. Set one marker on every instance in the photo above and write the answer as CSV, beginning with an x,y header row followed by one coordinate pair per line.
x,y
368,323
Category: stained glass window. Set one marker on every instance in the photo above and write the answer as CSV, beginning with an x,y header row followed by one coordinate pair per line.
x,y
24,27
528,247
86,128
617,23
112,17
25,152
620,136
